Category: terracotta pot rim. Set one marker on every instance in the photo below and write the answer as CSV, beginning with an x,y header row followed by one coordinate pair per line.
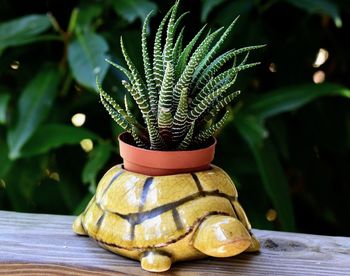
x,y
158,162
120,139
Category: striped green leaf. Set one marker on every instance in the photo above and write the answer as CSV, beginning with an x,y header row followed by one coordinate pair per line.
x,y
180,118
221,104
136,77
185,54
178,46
206,102
219,81
156,141
219,62
158,69
151,86
204,135
187,140
165,118
208,58
186,76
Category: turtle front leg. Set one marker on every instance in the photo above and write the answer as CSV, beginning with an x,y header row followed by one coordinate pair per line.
x,y
221,236
78,226
155,261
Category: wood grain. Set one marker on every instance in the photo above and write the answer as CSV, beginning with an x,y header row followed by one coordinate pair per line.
x,y
35,244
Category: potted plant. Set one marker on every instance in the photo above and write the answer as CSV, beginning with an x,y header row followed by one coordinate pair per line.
x,y
166,202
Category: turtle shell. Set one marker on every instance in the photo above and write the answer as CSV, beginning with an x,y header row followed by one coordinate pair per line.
x,y
135,211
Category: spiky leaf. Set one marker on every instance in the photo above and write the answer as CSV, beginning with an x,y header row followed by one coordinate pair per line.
x,y
169,41
208,58
126,72
219,81
151,86
181,64
178,46
187,140
158,70
179,124
221,104
219,62
165,118
206,102
134,129
156,141
114,109
136,78
195,59
178,21
204,135
116,116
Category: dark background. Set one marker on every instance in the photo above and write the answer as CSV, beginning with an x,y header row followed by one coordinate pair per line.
x,y
287,148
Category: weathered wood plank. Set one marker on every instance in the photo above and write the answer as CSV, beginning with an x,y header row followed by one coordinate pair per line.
x,y
34,244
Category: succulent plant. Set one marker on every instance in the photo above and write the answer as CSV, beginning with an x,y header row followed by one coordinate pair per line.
x,y
186,88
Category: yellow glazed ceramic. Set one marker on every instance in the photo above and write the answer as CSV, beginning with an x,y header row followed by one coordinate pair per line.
x,y
163,219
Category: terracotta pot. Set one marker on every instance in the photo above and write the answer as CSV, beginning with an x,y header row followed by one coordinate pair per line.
x,y
156,162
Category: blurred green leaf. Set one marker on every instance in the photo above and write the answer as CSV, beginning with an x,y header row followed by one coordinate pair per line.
x,y
82,205
321,7
291,98
86,57
69,193
98,157
22,180
276,183
250,122
52,136
5,162
33,106
279,135
208,6
87,14
130,10
22,30
270,169
226,13
4,100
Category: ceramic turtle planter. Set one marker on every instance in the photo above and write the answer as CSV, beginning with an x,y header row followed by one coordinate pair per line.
x,y
166,202
163,219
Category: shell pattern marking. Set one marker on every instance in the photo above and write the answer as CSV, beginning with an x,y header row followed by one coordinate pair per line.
x,y
159,205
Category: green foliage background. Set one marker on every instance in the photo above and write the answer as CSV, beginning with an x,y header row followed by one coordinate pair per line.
x,y
287,147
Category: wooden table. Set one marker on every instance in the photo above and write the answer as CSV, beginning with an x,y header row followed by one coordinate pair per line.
x,y
35,244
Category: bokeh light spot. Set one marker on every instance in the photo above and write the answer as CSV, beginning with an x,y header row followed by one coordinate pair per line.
x,y
78,119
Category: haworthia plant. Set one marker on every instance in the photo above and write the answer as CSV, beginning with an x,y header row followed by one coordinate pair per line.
x,y
186,88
